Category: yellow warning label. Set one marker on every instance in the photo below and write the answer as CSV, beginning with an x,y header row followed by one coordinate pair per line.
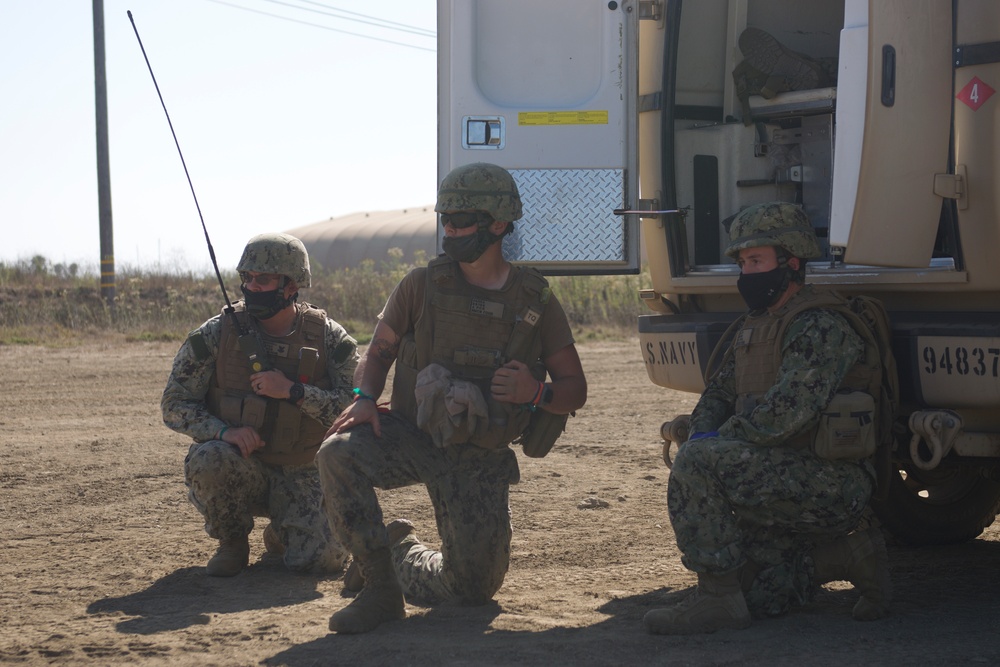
x,y
562,118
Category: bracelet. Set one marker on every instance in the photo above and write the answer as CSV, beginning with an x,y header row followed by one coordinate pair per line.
x,y
533,405
222,432
360,395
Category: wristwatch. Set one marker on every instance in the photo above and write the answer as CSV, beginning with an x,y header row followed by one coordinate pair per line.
x,y
546,396
296,393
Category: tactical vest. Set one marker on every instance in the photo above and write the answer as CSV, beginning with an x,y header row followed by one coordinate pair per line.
x,y
472,331
291,436
757,348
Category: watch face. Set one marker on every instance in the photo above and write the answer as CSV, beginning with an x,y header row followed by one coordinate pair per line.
x,y
296,392
547,396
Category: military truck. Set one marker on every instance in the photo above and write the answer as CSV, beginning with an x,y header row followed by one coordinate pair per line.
x,y
624,120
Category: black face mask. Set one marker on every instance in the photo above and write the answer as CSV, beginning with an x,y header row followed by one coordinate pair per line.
x,y
265,305
761,290
468,248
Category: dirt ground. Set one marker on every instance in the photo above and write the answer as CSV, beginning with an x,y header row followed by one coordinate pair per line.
x,y
102,557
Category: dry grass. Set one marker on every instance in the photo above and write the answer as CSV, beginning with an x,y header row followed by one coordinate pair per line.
x,y
58,305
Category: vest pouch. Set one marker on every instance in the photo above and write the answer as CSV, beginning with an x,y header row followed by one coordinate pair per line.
x,y
254,409
507,421
231,408
846,428
285,433
403,399
542,432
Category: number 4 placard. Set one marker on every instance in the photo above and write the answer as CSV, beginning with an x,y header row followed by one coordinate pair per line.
x,y
975,93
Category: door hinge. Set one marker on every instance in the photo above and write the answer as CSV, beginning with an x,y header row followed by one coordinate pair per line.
x,y
953,186
650,10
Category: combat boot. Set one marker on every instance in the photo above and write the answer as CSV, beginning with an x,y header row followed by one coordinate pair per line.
x,y
231,557
379,601
354,581
718,604
860,558
785,69
748,80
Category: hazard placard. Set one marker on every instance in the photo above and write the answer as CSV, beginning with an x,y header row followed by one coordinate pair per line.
x,y
975,93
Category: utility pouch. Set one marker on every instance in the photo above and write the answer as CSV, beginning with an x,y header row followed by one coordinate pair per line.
x,y
542,432
505,424
286,429
403,399
231,408
254,409
308,357
846,428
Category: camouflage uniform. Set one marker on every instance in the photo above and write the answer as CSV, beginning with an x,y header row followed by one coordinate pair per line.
x,y
746,498
230,490
467,485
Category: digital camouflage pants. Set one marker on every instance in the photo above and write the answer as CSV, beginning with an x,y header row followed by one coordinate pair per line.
x,y
468,487
733,505
230,491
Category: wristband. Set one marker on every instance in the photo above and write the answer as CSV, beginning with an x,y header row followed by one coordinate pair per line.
x,y
533,404
360,395
222,432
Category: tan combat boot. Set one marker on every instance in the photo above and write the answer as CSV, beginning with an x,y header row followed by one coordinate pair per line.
x,y
379,601
717,604
860,558
231,557
354,581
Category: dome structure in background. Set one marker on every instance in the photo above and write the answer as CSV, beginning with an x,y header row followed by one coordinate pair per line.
x,y
348,240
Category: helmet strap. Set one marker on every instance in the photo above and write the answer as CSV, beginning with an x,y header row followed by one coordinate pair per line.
x,y
791,275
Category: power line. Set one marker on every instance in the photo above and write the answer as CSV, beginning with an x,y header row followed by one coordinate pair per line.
x,y
382,23
317,25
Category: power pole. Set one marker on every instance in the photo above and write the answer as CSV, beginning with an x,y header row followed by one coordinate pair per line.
x,y
103,162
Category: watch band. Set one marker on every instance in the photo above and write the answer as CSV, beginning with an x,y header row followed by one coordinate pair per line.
x,y
546,396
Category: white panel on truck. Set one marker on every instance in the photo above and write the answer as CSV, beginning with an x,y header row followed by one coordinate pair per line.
x,y
546,90
907,110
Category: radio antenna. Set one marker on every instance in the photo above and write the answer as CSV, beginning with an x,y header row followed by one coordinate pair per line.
x,y
211,250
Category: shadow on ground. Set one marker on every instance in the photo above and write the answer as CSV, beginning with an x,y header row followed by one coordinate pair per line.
x,y
820,633
188,596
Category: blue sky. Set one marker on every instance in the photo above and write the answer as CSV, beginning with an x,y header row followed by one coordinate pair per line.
x,y
282,123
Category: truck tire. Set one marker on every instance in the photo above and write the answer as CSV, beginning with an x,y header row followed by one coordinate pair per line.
x,y
946,505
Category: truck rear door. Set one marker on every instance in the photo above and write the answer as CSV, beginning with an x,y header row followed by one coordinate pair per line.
x,y
893,134
546,90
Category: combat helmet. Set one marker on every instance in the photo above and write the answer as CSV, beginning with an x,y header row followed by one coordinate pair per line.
x,y
775,223
480,186
277,253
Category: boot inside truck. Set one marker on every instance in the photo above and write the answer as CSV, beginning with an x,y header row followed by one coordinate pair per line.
x,y
662,120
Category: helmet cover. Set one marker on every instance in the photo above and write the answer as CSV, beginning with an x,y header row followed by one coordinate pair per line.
x,y
778,224
277,253
480,186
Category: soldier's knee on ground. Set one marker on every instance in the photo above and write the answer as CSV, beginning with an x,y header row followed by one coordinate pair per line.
x,y
326,563
315,557
478,600
476,592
